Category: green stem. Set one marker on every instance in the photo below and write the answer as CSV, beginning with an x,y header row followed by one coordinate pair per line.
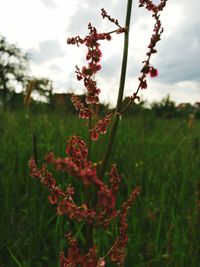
x,y
120,93
35,152
89,137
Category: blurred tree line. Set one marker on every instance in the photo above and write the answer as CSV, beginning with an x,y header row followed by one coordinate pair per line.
x,y
14,75
167,108
35,93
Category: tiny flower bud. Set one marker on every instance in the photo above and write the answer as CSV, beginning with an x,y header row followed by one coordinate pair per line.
x,y
101,263
143,84
94,136
108,37
53,199
153,72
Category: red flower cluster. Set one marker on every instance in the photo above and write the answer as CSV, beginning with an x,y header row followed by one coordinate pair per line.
x,y
74,257
89,83
153,72
48,180
66,205
105,15
115,179
77,151
84,113
147,69
93,57
118,251
149,5
101,127
76,164
115,21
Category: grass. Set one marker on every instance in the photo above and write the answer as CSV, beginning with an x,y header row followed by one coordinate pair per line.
x,y
163,156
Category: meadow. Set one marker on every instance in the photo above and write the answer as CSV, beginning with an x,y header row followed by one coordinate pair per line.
x,y
161,155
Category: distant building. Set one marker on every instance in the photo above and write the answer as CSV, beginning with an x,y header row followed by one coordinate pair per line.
x,y
63,100
60,99
185,109
182,106
196,106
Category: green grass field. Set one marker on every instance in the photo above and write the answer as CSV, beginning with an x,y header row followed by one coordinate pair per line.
x,y
163,156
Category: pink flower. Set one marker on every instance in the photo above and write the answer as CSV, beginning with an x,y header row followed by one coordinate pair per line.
x,y
101,263
53,199
101,127
94,136
143,84
153,72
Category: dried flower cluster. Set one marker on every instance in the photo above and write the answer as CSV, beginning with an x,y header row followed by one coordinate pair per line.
x,y
74,257
101,127
93,58
77,165
149,5
156,37
103,208
158,30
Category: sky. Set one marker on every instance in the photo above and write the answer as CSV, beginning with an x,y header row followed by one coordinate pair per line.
x,y
41,28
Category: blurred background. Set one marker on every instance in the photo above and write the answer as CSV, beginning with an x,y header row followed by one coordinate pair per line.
x,y
41,28
157,145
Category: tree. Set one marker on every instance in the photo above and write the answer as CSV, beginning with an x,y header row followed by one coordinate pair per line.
x,y
166,108
38,89
13,66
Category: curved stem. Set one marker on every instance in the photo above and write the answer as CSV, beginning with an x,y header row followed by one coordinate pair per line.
x,y
120,93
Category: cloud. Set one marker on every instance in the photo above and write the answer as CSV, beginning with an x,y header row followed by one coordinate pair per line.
x,y
180,55
55,68
176,60
47,50
90,11
178,52
185,91
49,3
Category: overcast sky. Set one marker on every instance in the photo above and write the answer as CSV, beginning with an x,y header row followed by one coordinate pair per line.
x,y
41,28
